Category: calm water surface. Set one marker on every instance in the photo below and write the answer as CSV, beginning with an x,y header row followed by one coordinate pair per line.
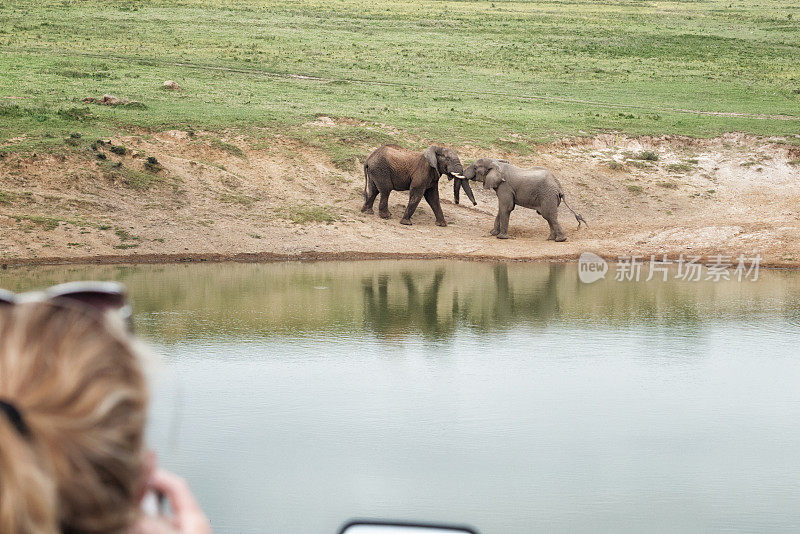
x,y
510,397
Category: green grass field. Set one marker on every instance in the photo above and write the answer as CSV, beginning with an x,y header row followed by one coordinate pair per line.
x,y
501,73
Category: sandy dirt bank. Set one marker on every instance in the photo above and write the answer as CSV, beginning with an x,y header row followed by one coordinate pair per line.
x,y
270,199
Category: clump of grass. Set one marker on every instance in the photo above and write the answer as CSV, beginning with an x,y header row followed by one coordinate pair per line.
x,y
118,150
302,214
519,147
640,164
345,145
235,198
75,114
138,180
219,144
647,155
6,197
794,162
679,167
667,185
615,165
47,223
130,177
124,246
635,189
124,235
75,73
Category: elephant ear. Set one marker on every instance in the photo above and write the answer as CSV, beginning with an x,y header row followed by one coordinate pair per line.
x,y
493,178
430,155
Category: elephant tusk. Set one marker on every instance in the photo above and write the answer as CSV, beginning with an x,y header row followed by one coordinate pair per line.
x,y
460,176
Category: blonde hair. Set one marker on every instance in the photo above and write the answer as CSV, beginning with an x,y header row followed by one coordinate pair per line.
x,y
76,377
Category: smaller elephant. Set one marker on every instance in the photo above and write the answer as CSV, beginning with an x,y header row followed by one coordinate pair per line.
x,y
536,188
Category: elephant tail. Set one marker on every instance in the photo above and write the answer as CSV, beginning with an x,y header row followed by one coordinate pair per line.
x,y
578,216
366,180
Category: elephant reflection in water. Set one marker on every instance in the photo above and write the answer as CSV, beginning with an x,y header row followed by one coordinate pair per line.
x,y
483,310
537,307
419,313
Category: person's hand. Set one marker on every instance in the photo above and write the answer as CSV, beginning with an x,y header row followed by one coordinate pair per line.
x,y
187,517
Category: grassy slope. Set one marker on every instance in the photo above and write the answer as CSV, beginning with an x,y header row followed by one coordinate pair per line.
x,y
590,66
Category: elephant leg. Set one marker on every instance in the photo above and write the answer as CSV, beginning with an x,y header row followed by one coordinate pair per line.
x,y
496,229
370,193
456,189
556,232
432,198
383,205
502,222
414,196
468,191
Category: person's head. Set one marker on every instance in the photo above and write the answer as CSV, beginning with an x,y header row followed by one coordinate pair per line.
x,y
76,460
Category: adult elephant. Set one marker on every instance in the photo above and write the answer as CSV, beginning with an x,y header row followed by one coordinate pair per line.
x,y
394,168
536,188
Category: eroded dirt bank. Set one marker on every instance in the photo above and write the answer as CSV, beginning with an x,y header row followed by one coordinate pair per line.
x,y
262,199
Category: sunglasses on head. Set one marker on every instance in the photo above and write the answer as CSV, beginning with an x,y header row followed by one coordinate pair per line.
x,y
101,296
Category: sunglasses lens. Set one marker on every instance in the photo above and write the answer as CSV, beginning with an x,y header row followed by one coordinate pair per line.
x,y
103,296
7,298
101,301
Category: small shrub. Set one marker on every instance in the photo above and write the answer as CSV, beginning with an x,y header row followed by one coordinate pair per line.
x,y
118,150
679,167
635,189
615,165
152,165
647,155
667,185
